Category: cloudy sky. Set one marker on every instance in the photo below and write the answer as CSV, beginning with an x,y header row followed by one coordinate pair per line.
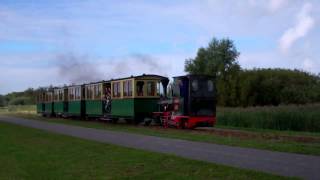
x,y
66,41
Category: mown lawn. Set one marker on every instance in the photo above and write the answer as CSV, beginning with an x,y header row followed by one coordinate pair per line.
x,y
259,140
27,153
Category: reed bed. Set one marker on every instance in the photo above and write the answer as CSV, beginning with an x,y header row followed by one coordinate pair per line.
x,y
284,117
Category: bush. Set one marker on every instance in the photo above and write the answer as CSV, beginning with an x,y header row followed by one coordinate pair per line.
x,y
20,101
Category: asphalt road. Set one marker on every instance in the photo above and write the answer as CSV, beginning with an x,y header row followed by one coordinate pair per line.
x,y
286,164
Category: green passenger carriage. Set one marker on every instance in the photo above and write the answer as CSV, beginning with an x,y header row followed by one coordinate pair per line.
x,y
136,97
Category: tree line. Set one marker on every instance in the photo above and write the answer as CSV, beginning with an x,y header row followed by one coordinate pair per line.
x,y
27,97
256,87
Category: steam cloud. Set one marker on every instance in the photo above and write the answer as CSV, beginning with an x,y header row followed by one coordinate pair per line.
x,y
78,69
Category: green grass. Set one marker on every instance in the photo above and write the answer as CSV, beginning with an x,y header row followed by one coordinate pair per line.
x,y
289,117
29,109
259,142
27,153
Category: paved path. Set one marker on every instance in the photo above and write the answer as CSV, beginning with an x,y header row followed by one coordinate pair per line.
x,y
286,164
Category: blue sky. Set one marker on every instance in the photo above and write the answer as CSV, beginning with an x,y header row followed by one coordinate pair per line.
x,y
101,39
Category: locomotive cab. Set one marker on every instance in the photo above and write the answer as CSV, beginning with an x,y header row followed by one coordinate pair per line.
x,y
193,101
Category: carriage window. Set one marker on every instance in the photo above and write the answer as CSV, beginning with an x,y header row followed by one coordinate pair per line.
x,y
77,93
87,92
69,94
55,95
116,89
151,88
127,88
90,92
73,93
60,95
140,88
97,91
210,86
194,85
49,97
160,89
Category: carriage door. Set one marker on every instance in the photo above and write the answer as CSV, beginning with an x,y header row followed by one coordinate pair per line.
x,y
106,99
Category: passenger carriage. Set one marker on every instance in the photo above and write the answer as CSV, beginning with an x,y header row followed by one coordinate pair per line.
x,y
135,97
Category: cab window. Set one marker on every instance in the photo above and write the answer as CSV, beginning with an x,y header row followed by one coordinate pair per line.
x,y
210,85
175,88
195,85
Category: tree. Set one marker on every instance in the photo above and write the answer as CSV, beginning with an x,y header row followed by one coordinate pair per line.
x,y
2,101
219,59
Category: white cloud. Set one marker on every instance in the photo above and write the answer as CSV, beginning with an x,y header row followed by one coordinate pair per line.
x,y
310,65
303,25
275,5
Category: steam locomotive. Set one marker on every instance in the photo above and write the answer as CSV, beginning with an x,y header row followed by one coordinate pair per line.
x,y
188,102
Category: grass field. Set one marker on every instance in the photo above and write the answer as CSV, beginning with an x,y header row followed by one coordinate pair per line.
x,y
27,153
27,109
290,117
